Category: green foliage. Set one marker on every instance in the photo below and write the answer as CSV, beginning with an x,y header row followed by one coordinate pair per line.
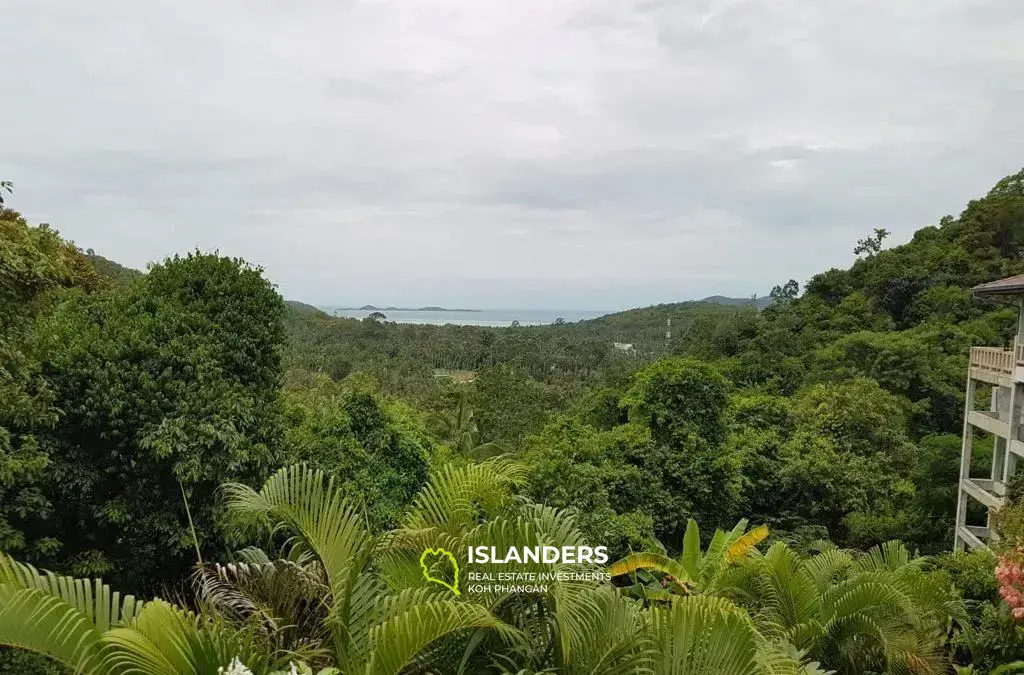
x,y
125,398
694,570
615,479
602,409
711,635
680,400
35,264
992,638
508,405
873,244
847,462
856,613
912,364
111,273
377,449
972,573
168,386
937,476
662,467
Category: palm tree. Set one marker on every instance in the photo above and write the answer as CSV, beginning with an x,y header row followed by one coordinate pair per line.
x,y
573,627
371,628
91,630
576,626
286,598
460,426
341,598
857,613
702,634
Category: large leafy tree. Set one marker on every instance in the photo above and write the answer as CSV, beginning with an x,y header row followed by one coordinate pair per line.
x,y
643,478
614,478
376,447
168,388
508,405
36,265
848,463
683,403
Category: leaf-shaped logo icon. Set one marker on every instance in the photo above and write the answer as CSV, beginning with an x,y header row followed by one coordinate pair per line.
x,y
428,565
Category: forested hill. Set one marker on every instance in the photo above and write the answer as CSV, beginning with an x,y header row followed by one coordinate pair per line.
x,y
111,271
137,419
758,302
303,308
902,316
657,316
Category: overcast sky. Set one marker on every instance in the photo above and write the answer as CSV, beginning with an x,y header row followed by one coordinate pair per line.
x,y
507,153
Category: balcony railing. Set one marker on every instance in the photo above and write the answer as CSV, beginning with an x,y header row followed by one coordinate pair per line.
x,y
996,361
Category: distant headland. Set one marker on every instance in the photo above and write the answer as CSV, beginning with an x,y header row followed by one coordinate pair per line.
x,y
431,308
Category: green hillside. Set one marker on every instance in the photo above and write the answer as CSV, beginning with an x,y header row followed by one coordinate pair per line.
x,y
773,489
758,302
110,270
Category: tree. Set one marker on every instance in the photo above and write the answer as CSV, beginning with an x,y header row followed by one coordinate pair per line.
x,y
5,186
346,600
679,400
36,267
785,294
508,405
848,463
169,387
459,428
871,245
694,570
373,447
615,479
682,403
371,629
880,611
876,612
728,643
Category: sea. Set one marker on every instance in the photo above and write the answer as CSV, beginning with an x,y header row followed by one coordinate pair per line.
x,y
482,317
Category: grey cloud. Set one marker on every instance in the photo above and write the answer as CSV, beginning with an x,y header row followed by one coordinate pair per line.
x,y
497,153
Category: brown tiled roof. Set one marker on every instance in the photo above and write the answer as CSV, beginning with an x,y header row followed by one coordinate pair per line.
x,y
1007,286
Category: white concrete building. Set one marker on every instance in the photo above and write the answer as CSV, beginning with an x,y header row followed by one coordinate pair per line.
x,y
1003,369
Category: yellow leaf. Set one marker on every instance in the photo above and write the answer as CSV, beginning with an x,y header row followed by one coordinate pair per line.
x,y
742,546
652,561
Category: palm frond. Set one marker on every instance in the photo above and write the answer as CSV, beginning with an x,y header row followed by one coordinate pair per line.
x,y
416,623
703,635
307,504
103,607
167,640
36,621
456,496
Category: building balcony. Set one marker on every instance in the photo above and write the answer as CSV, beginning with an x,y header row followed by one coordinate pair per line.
x,y
995,365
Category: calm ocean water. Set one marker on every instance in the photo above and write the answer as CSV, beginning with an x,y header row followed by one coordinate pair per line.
x,y
484,317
